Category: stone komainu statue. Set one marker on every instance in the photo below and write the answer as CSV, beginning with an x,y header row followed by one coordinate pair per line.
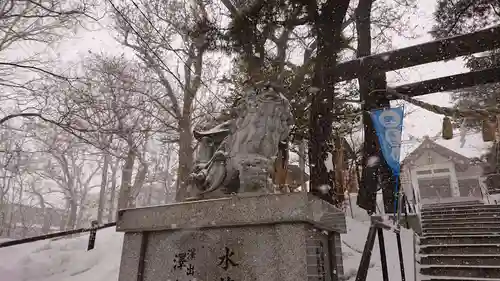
x,y
239,155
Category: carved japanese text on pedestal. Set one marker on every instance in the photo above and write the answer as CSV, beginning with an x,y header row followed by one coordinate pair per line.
x,y
183,262
225,262
184,266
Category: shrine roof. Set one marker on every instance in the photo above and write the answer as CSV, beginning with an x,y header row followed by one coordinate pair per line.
x,y
473,147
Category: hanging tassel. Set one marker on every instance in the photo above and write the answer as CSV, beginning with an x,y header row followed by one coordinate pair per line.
x,y
447,128
488,130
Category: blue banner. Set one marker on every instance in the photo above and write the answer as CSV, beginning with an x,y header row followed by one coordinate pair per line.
x,y
388,125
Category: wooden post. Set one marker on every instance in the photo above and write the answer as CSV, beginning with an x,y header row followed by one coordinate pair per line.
x,y
415,267
498,138
497,155
93,234
339,169
302,163
368,82
371,150
281,167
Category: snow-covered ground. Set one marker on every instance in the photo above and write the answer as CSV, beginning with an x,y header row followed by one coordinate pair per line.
x,y
354,241
68,259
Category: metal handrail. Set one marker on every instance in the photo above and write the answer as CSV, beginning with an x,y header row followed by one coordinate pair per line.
x,y
55,235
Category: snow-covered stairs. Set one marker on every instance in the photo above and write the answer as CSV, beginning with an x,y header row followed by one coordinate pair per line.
x,y
460,241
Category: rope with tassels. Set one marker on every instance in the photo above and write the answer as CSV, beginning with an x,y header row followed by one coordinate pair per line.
x,y
450,112
482,113
485,114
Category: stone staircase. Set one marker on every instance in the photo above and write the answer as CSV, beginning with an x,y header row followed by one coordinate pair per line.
x,y
460,242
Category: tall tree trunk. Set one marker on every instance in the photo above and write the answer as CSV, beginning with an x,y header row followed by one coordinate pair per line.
x,y
126,185
302,164
168,178
12,208
4,202
340,186
21,215
102,191
73,212
64,217
46,219
367,83
2,208
149,196
185,157
328,27
139,180
112,191
79,217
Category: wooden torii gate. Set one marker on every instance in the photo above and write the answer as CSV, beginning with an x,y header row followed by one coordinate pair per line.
x,y
374,66
371,70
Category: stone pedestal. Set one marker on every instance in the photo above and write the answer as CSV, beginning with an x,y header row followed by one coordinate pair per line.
x,y
281,237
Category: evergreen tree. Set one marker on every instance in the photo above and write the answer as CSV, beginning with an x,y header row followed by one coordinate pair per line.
x,y
264,33
310,89
462,16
